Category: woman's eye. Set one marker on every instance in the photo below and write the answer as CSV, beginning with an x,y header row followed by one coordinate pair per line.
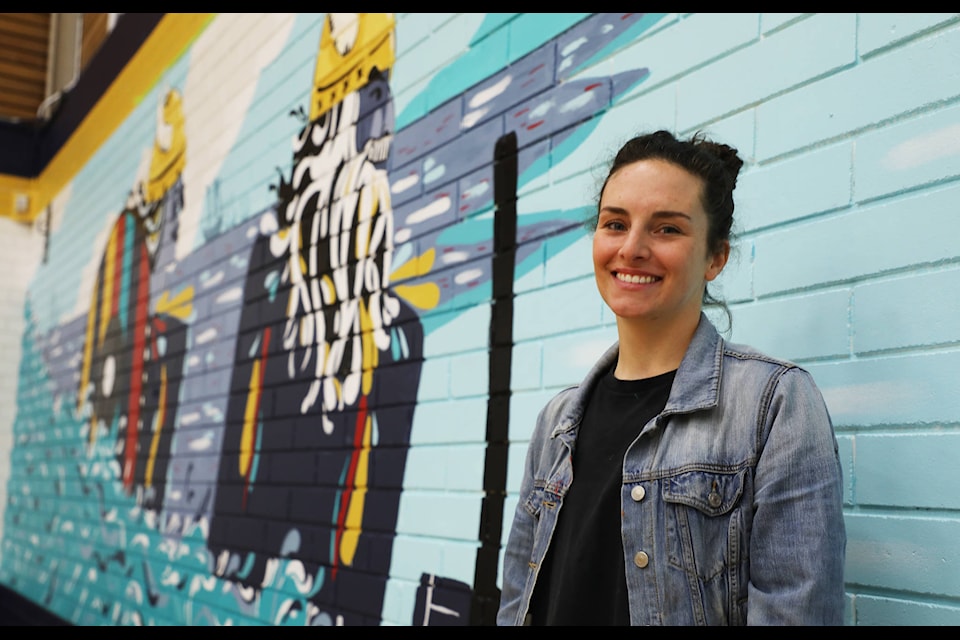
x,y
614,225
669,229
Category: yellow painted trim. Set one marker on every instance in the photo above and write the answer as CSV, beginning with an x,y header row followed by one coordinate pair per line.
x,y
14,188
169,40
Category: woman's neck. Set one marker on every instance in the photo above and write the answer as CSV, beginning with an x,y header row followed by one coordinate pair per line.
x,y
649,349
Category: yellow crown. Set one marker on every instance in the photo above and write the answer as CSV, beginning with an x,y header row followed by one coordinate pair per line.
x,y
169,147
351,46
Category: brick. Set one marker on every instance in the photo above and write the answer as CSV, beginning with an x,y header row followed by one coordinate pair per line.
x,y
908,154
448,422
907,554
469,374
771,21
632,114
735,282
771,194
767,67
926,71
458,331
530,30
434,380
796,327
474,64
738,131
412,555
573,194
568,357
901,313
571,306
413,28
492,22
423,48
570,258
460,560
524,408
445,468
865,241
917,460
877,31
894,390
526,366
443,515
886,611
668,54
516,461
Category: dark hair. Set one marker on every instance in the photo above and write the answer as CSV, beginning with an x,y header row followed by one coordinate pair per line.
x,y
715,163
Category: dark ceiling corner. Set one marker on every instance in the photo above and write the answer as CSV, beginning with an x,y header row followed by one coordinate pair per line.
x,y
27,147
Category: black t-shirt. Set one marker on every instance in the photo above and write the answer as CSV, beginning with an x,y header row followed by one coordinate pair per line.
x,y
582,580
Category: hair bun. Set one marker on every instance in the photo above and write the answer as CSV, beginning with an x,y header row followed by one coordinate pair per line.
x,y
727,155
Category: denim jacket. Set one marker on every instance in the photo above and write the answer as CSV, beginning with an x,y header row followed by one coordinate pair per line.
x,y
731,497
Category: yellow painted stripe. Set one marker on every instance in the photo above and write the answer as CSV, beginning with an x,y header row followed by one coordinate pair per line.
x,y
157,428
250,417
88,359
170,39
13,188
354,523
371,354
109,282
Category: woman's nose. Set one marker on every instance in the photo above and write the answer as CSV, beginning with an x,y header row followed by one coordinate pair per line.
x,y
636,246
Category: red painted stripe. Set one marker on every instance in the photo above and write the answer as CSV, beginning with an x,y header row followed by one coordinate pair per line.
x,y
136,370
350,480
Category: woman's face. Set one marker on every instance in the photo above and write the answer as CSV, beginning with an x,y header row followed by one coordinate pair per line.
x,y
650,252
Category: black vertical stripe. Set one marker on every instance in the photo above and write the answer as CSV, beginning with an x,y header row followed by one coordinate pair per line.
x,y
486,595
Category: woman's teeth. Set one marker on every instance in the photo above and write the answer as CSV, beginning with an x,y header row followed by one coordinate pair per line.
x,y
636,279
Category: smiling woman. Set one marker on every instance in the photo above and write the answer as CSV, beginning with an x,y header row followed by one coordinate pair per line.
x,y
652,260
708,487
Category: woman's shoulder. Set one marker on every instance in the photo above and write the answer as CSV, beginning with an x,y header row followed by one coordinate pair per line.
x,y
756,364
562,403
749,353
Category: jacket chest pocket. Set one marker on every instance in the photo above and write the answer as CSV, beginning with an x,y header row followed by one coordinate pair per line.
x,y
704,524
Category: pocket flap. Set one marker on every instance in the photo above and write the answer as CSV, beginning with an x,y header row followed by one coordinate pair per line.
x,y
707,491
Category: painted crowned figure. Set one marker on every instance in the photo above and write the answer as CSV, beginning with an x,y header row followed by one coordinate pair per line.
x,y
328,357
132,362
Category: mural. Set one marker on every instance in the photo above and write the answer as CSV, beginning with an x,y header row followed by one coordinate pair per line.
x,y
322,327
244,412
133,355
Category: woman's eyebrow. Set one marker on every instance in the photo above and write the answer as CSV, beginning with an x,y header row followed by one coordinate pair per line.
x,y
614,210
620,211
671,214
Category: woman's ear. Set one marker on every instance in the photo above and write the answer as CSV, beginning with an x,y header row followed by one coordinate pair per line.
x,y
717,262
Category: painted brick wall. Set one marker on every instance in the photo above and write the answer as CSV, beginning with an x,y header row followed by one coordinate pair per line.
x,y
22,249
847,262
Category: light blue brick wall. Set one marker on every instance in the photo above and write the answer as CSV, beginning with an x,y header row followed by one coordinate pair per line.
x,y
768,66
847,261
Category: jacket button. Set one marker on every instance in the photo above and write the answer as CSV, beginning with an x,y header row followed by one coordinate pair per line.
x,y
641,559
637,493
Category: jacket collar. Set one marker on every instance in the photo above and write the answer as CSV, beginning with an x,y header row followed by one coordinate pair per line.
x,y
695,387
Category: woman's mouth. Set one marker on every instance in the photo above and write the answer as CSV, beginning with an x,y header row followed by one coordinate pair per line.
x,y
632,279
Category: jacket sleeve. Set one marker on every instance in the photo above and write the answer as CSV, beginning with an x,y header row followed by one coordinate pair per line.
x,y
516,569
798,539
